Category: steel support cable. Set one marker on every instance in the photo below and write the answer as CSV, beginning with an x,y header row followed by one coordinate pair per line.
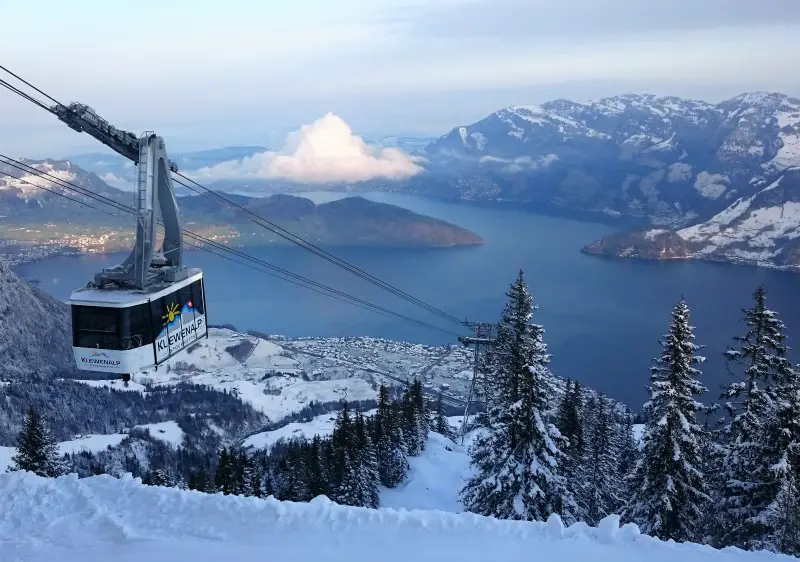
x,y
270,226
303,281
254,268
318,251
62,183
54,100
24,95
199,247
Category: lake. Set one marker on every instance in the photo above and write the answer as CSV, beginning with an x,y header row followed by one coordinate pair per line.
x,y
602,318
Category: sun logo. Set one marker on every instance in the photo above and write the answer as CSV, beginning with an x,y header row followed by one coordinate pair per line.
x,y
173,311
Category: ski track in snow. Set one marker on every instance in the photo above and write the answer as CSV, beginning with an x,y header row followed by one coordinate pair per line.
x,y
102,518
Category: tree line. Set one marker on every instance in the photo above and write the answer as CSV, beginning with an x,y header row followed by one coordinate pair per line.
x,y
349,466
730,482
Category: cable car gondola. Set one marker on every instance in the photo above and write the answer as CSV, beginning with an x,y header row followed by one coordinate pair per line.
x,y
126,331
140,313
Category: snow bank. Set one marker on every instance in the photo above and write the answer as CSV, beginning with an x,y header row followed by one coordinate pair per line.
x,y
102,519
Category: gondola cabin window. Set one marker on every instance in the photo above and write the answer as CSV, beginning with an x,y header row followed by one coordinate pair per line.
x,y
96,327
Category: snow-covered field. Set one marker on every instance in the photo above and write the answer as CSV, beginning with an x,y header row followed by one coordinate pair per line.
x,y
169,432
102,518
279,377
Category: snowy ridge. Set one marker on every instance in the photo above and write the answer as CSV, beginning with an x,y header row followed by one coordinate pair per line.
x,y
70,519
25,183
667,159
758,229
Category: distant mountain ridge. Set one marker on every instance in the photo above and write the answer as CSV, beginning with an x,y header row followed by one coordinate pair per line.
x,y
762,229
351,221
663,160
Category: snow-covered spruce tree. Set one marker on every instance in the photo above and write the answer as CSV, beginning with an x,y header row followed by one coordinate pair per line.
x,y
783,516
671,490
387,435
421,414
517,460
440,423
712,454
37,451
415,422
627,450
569,423
598,486
757,466
366,465
223,477
316,477
158,477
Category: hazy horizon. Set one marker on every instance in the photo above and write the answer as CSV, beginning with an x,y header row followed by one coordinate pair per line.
x,y
253,73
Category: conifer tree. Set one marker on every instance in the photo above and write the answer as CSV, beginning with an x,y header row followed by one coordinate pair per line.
x,y
599,483
757,467
365,464
627,453
519,466
242,474
158,477
224,475
37,451
671,491
199,480
315,471
569,423
440,423
421,417
783,515
390,457
291,484
411,423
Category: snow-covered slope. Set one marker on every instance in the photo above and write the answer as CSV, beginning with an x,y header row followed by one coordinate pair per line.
x,y
281,376
434,477
102,518
34,329
169,432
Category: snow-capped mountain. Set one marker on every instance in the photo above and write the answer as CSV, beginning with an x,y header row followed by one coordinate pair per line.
x,y
760,229
664,160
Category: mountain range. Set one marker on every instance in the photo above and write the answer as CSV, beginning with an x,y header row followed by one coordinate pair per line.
x,y
635,160
350,221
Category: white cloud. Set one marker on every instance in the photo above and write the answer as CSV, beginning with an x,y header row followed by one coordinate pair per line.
x,y
324,151
521,162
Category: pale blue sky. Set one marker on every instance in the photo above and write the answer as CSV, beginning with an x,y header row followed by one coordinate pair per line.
x,y
206,74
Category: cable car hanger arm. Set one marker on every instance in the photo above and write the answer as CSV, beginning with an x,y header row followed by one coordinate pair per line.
x,y
83,119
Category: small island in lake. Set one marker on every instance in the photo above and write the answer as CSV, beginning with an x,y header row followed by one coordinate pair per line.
x,y
39,224
351,221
